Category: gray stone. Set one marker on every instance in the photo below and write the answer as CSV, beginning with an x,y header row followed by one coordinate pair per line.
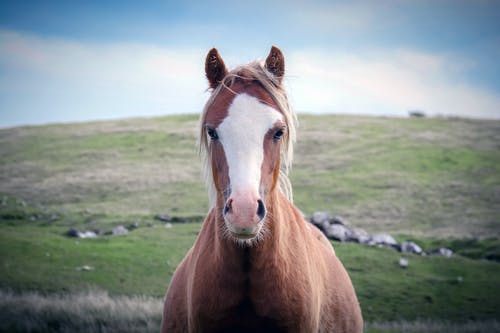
x,y
403,262
119,230
359,235
320,218
168,225
88,234
133,225
72,232
410,247
85,268
443,252
339,220
384,239
163,218
337,232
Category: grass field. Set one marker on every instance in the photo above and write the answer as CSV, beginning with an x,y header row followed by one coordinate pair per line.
x,y
434,181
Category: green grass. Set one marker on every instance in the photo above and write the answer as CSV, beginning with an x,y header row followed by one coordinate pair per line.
x,y
37,256
424,177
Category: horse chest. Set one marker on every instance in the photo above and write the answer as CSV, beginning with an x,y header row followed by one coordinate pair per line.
x,y
252,301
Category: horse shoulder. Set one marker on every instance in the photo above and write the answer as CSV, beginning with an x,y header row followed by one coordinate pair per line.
x,y
340,310
175,310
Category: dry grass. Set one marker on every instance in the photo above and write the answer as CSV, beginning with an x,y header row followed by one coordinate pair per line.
x,y
430,326
97,311
92,311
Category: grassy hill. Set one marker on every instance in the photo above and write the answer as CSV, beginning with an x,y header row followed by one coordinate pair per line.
x,y
435,181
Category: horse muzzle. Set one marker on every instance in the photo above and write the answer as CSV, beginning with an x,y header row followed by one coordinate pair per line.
x,y
244,215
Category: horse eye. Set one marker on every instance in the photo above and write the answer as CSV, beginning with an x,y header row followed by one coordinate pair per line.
x,y
212,133
278,134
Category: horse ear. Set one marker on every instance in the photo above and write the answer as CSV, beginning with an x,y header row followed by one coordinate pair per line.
x,y
215,69
275,63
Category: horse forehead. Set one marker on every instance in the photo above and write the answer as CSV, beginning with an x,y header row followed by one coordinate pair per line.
x,y
248,116
219,110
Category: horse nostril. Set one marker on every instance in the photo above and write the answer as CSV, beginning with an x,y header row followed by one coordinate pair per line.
x,y
227,207
261,209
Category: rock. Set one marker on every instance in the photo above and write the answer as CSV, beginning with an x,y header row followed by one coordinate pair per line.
x,y
119,230
88,234
85,268
72,232
410,247
339,220
163,218
443,252
403,262
359,235
383,239
177,219
320,218
133,225
168,225
337,232
4,201
52,218
416,114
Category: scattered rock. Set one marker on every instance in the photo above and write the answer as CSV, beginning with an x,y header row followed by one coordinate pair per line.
x,y
383,239
52,218
85,268
4,201
163,218
337,232
320,218
177,219
460,279
443,252
410,247
168,225
339,220
133,225
403,262
119,230
359,235
88,234
416,114
72,232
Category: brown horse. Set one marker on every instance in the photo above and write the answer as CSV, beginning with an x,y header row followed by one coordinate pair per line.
x,y
257,265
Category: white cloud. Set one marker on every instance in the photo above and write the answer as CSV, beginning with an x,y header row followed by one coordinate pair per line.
x,y
46,80
387,82
55,79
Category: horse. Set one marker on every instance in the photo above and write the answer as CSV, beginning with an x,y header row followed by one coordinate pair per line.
x,y
256,265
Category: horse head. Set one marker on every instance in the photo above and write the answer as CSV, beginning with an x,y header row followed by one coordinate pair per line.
x,y
246,129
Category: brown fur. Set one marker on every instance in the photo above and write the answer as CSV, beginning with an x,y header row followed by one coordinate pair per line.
x,y
290,281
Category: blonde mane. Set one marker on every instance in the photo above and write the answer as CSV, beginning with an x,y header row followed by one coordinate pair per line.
x,y
254,71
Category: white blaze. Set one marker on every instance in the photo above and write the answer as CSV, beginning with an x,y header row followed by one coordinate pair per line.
x,y
242,136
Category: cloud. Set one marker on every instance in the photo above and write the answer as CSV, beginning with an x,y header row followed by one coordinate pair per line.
x,y
53,80
46,79
389,82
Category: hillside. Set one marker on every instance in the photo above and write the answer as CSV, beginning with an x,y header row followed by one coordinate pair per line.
x,y
434,181
421,177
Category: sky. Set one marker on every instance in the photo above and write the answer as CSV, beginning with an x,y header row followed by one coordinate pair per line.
x,y
65,61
